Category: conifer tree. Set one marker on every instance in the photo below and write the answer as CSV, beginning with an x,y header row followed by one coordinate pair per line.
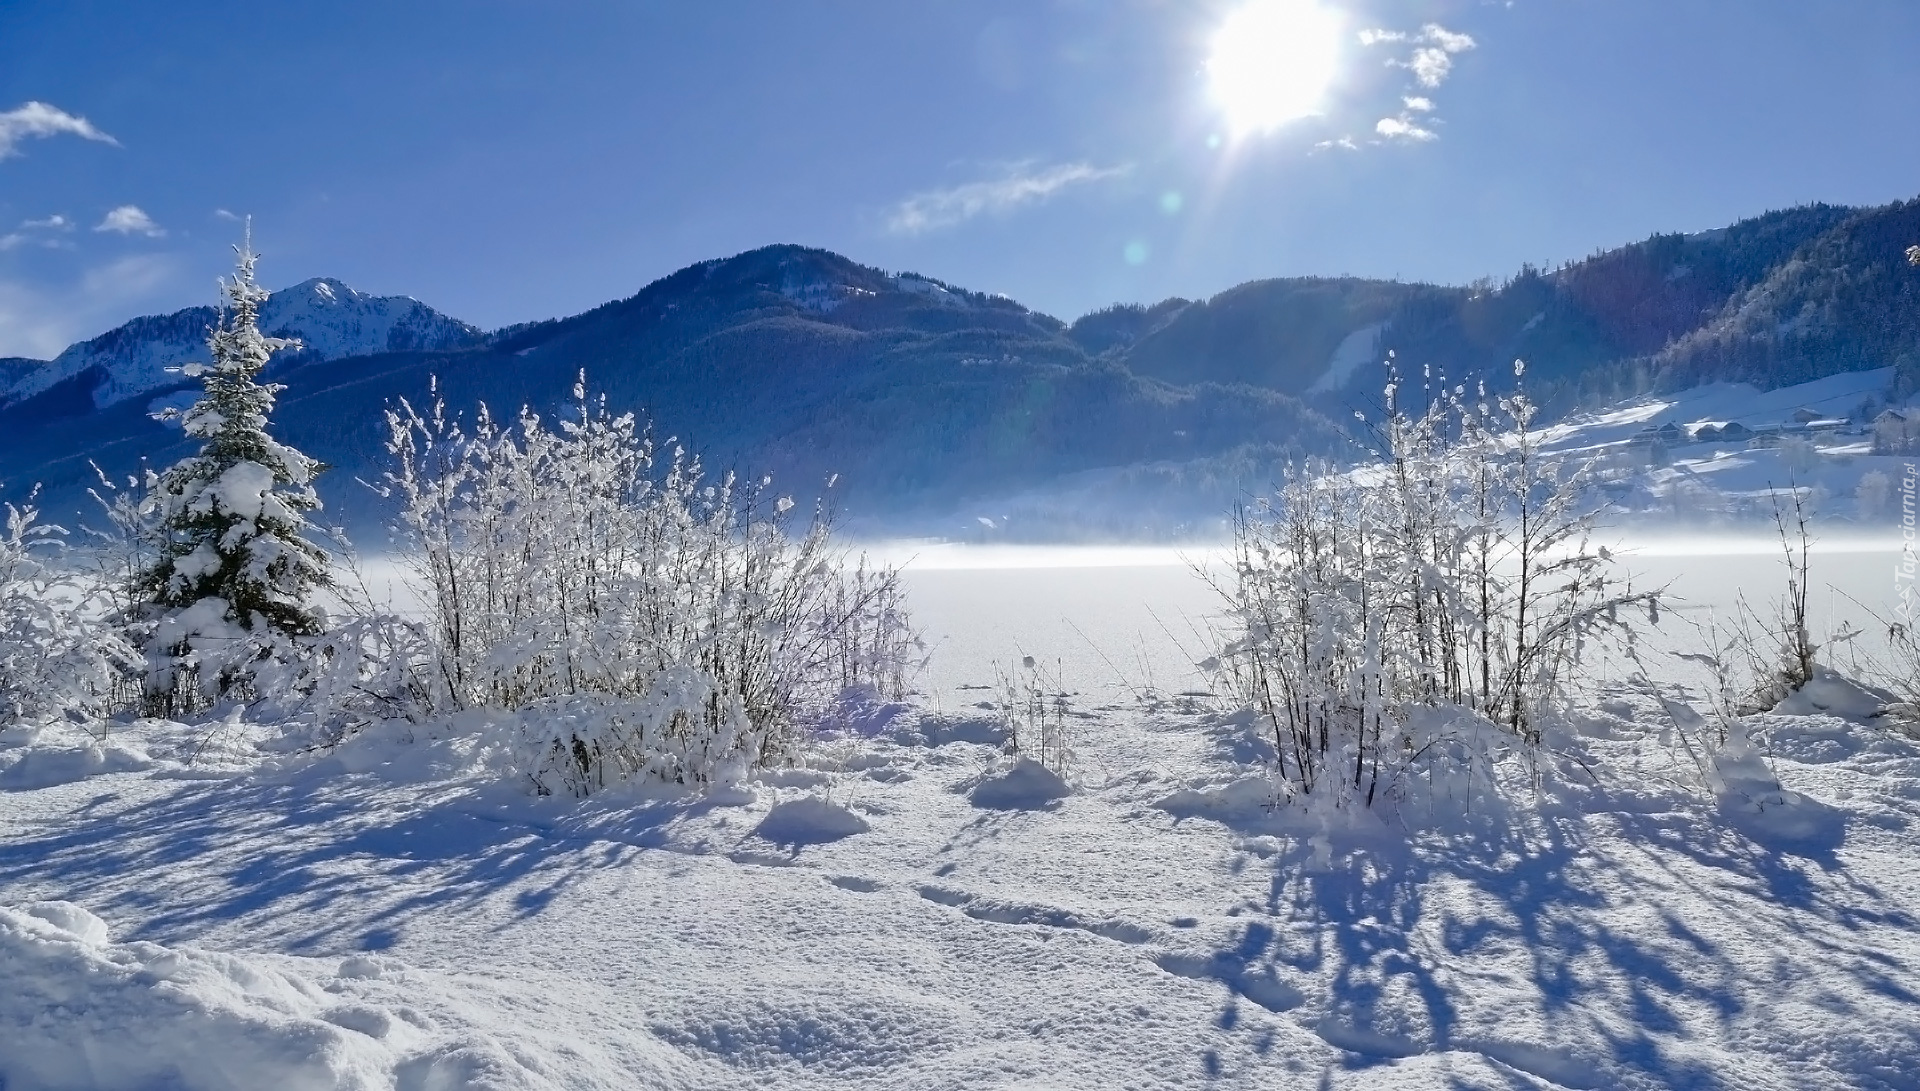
x,y
235,570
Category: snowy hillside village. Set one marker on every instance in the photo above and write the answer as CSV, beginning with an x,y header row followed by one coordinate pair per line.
x,y
1724,452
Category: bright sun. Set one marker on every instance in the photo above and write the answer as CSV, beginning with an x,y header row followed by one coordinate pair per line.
x,y
1272,61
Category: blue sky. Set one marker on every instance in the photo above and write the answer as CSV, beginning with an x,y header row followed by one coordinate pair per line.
x,y
508,161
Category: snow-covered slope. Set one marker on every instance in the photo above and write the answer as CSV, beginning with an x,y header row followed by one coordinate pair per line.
x,y
1360,347
331,320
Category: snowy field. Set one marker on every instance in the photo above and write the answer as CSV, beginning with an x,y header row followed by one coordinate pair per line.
x,y
188,911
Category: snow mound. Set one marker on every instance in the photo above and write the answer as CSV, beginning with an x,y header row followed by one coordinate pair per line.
x,y
80,1010
809,820
1244,797
1026,785
1754,802
1831,694
45,767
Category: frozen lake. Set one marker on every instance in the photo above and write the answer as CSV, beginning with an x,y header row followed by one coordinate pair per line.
x,y
1109,621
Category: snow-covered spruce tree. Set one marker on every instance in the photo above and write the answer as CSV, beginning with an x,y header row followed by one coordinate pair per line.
x,y
235,572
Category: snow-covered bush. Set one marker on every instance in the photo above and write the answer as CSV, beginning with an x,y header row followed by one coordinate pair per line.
x,y
1799,456
1779,645
60,657
1873,495
1033,705
363,667
233,571
1456,571
655,623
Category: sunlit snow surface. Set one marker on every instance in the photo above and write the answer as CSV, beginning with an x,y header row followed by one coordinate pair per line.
x,y
382,918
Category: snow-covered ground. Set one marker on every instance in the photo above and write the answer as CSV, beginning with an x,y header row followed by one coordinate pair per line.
x,y
187,909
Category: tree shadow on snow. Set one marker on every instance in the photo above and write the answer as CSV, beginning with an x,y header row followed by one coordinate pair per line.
x,y
331,864
1581,895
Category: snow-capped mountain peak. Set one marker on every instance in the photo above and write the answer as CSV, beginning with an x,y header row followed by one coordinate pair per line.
x,y
330,319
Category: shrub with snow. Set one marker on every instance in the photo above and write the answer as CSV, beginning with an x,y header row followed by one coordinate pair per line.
x,y
1457,571
60,658
654,624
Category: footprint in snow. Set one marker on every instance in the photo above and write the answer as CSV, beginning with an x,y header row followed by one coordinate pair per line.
x,y
1045,916
856,884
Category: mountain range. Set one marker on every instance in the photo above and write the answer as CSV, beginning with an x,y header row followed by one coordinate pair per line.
x,y
927,398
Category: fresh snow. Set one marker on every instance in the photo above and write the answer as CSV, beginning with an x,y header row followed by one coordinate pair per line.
x,y
194,908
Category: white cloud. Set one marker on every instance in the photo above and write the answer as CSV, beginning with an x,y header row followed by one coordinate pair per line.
x,y
55,222
130,220
1403,128
1430,66
40,119
1430,59
1431,62
225,215
939,208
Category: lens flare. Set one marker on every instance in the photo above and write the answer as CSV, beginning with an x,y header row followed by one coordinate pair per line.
x,y
1272,62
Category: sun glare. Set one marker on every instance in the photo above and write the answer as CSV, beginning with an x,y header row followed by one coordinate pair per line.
x,y
1271,63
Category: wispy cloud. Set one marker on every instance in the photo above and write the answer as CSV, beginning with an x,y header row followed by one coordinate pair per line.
x,y
1435,34
30,230
130,220
940,208
223,214
40,119
38,319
